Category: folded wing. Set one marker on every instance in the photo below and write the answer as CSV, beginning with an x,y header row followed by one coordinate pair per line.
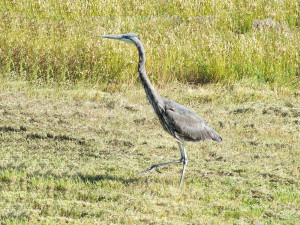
x,y
187,124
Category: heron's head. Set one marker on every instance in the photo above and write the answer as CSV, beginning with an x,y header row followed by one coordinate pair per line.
x,y
130,37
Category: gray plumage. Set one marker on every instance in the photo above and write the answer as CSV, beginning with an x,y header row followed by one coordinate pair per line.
x,y
177,120
187,124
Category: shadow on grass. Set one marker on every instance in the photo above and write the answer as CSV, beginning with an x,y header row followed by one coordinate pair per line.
x,y
88,178
49,174
96,178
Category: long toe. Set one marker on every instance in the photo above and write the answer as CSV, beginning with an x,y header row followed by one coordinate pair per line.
x,y
157,170
148,169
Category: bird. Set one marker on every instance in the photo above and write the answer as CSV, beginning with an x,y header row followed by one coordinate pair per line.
x,y
177,120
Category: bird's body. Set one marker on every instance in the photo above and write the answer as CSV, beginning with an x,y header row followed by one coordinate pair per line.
x,y
177,120
191,126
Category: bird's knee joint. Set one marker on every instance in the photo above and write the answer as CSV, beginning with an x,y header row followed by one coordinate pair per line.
x,y
184,160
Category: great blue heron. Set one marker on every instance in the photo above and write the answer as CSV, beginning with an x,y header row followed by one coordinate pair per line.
x,y
177,120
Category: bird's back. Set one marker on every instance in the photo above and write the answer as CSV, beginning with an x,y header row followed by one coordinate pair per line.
x,y
186,123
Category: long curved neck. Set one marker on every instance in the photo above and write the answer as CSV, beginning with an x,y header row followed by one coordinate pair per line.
x,y
151,93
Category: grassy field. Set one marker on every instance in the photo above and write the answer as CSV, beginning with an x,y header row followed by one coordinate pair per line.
x,y
76,127
71,155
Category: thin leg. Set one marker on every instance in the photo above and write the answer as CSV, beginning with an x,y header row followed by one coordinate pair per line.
x,y
181,146
184,160
150,169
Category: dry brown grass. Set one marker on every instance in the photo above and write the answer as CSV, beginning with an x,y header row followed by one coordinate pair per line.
x,y
71,156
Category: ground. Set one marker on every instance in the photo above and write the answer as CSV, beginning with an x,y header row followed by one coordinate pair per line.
x,y
72,154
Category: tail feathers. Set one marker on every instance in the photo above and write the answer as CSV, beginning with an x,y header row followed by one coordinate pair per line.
x,y
215,136
218,138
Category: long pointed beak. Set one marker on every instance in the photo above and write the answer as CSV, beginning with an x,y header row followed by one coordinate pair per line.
x,y
118,37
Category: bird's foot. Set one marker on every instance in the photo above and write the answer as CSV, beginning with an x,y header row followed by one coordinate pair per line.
x,y
150,169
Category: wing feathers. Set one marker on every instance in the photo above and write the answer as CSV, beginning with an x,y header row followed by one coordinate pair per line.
x,y
188,124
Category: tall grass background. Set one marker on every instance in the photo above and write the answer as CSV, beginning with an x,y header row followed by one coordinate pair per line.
x,y
185,41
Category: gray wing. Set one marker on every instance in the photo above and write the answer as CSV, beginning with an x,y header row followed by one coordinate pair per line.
x,y
187,124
